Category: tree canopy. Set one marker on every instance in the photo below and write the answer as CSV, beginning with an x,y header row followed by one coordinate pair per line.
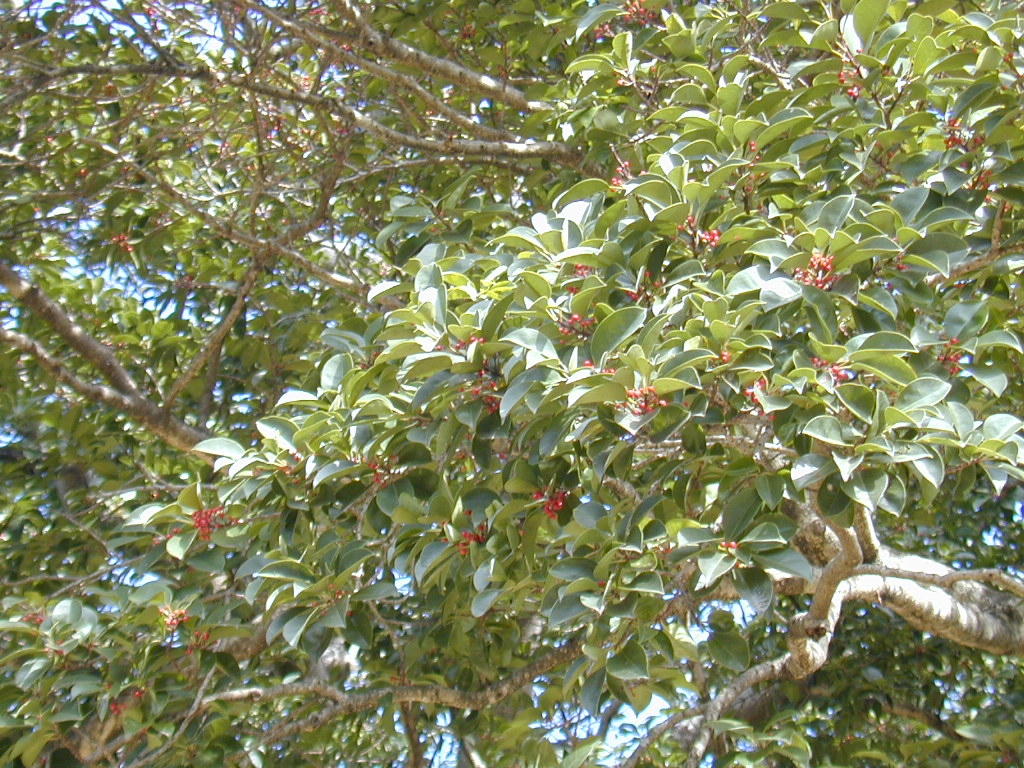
x,y
511,384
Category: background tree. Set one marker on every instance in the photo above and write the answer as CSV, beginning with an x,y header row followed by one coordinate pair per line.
x,y
436,384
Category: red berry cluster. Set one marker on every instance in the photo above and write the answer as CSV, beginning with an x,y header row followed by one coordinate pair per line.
x,y
818,272
638,14
463,344
485,388
173,616
838,372
381,468
634,14
709,238
121,241
479,535
641,401
116,707
951,357
845,76
622,174
36,617
575,327
982,180
956,136
751,392
699,237
643,293
210,519
198,641
579,270
730,545
553,503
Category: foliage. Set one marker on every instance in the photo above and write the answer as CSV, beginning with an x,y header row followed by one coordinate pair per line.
x,y
439,383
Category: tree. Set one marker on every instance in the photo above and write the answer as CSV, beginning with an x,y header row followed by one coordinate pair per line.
x,y
357,412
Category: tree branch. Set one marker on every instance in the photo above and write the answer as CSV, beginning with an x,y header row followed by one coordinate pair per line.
x,y
95,353
320,36
349,702
433,66
216,338
994,252
175,433
714,709
479,148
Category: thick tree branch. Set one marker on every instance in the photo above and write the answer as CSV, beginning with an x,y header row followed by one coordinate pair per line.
x,y
965,612
175,433
92,351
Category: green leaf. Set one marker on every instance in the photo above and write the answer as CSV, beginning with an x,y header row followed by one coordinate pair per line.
x,y
220,446
828,429
713,566
730,650
536,343
614,330
867,487
866,17
755,586
809,469
834,213
483,601
922,393
287,570
786,560
779,291
630,663
647,581
887,367
858,399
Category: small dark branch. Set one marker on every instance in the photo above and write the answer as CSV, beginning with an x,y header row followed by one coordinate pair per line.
x,y
206,399
189,716
478,148
350,702
80,582
783,78
216,339
623,488
767,670
94,352
926,717
995,251
433,66
656,733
